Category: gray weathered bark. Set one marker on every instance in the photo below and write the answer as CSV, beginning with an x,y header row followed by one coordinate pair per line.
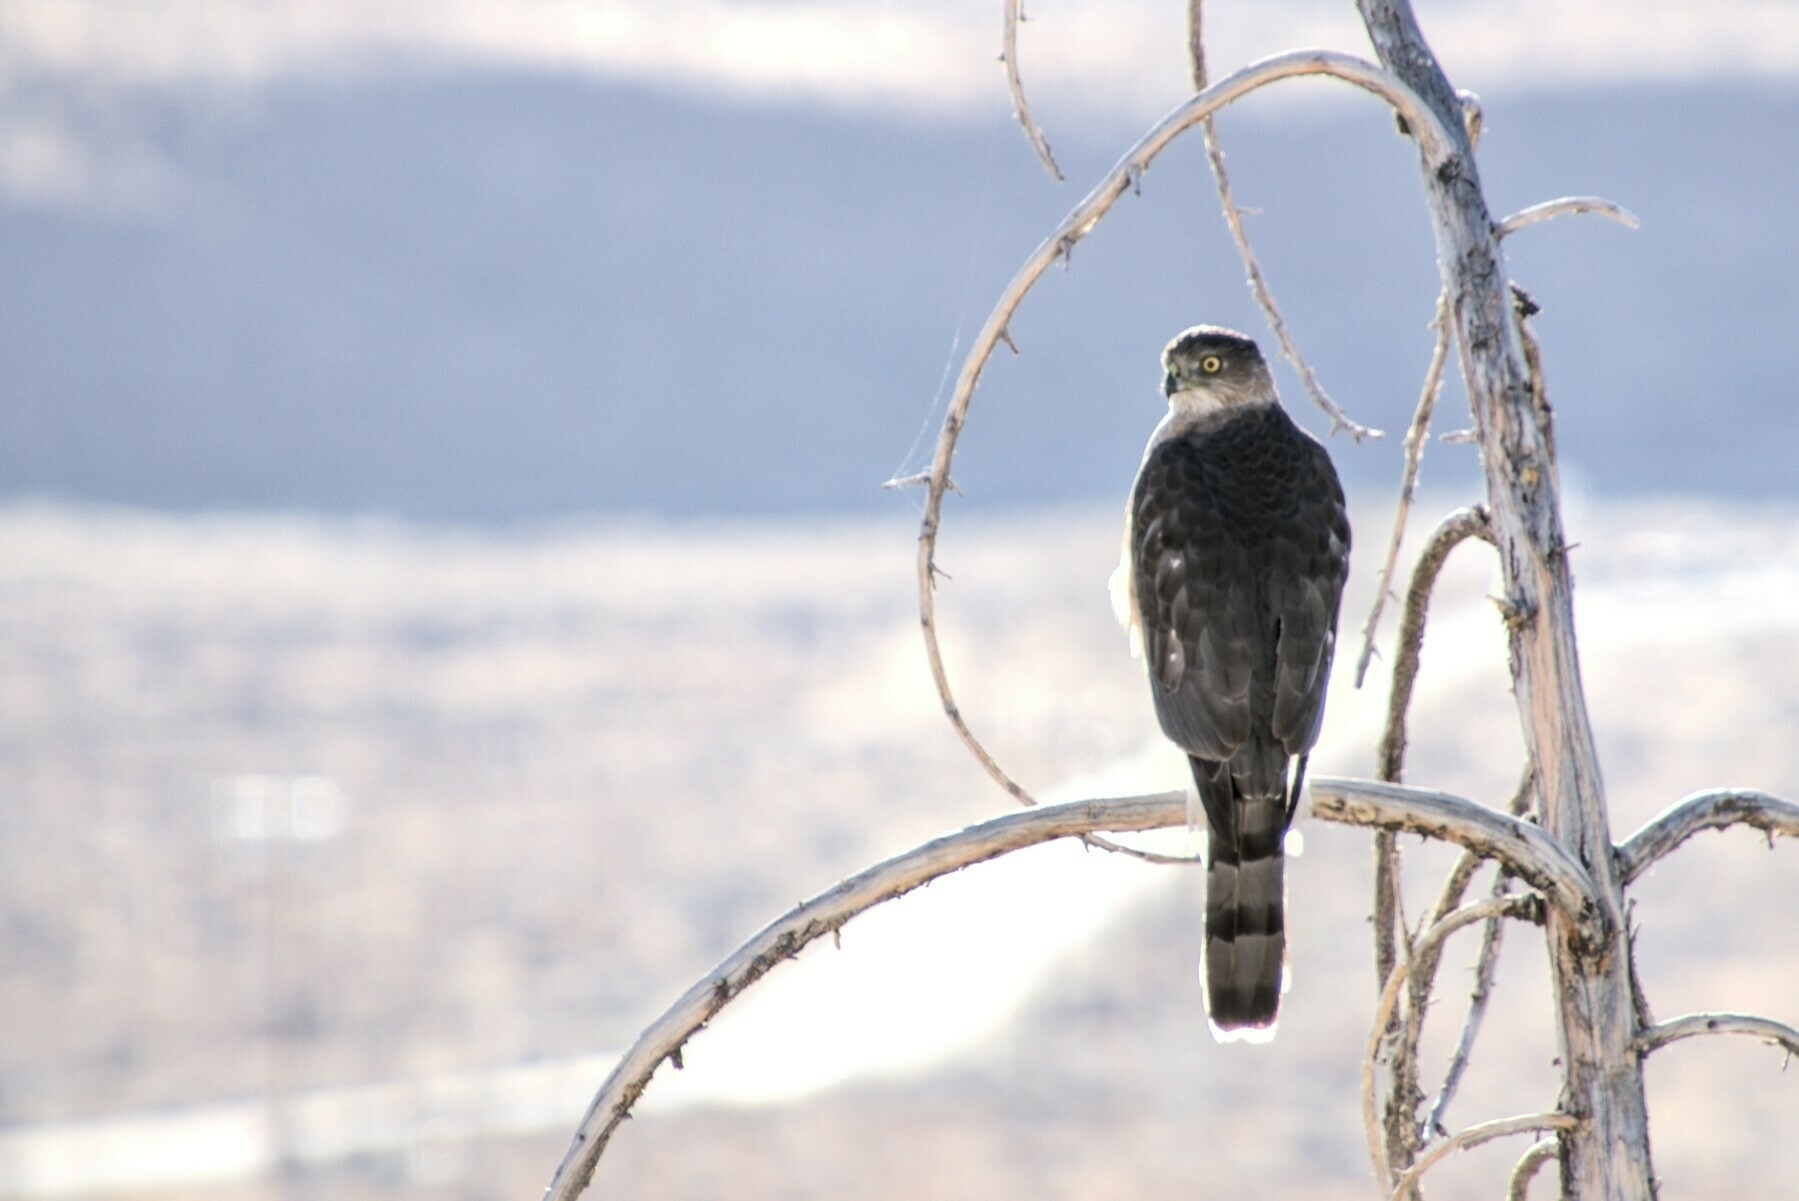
x,y
1607,1155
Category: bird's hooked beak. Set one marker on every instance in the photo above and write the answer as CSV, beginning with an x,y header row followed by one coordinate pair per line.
x,y
1168,384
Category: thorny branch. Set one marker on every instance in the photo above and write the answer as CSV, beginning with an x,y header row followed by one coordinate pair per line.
x,y
1021,108
1485,968
1405,1134
1233,217
826,913
1433,140
1474,1136
1522,906
1415,436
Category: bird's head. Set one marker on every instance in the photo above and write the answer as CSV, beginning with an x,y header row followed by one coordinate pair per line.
x,y
1210,368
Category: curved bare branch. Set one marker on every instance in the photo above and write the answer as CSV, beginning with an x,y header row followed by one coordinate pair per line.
x,y
1021,108
1474,1136
1713,809
1596,205
782,938
1405,1133
1451,532
1693,1024
1525,1170
1519,906
1433,140
1525,850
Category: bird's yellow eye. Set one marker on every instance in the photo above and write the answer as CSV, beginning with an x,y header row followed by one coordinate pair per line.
x,y
1211,364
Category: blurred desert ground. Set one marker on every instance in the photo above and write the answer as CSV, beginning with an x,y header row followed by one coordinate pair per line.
x,y
563,771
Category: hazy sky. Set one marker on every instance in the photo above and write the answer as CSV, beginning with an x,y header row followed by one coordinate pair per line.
x,y
929,55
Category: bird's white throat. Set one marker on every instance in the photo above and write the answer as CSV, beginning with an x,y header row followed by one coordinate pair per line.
x,y
1192,403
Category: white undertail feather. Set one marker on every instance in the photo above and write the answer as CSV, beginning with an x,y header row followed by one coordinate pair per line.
x,y
1254,1036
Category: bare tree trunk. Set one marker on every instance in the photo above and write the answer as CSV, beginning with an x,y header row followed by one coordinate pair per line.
x,y
1607,1156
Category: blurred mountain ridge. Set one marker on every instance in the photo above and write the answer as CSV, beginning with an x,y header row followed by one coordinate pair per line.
x,y
486,295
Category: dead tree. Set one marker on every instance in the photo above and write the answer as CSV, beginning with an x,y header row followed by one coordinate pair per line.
x,y
1572,876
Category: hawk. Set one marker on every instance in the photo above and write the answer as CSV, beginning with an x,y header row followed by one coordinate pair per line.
x,y
1235,551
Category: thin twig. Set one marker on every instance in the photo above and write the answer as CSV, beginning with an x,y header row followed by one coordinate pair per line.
x,y
1451,896
1693,1024
1521,906
1233,217
1526,850
1021,107
1485,971
1196,43
1597,205
1415,437
1526,1168
1714,809
1434,142
824,914
1405,1134
1474,1136
1456,883
1405,1023
1099,843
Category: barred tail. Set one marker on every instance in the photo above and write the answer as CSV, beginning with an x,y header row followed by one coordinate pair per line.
x,y
1246,941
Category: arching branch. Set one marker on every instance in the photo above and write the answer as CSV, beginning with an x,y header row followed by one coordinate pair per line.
x,y
1527,852
1714,809
1474,1136
1694,1024
783,938
1425,951
1451,532
1434,142
1525,1170
1566,206
1404,1133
